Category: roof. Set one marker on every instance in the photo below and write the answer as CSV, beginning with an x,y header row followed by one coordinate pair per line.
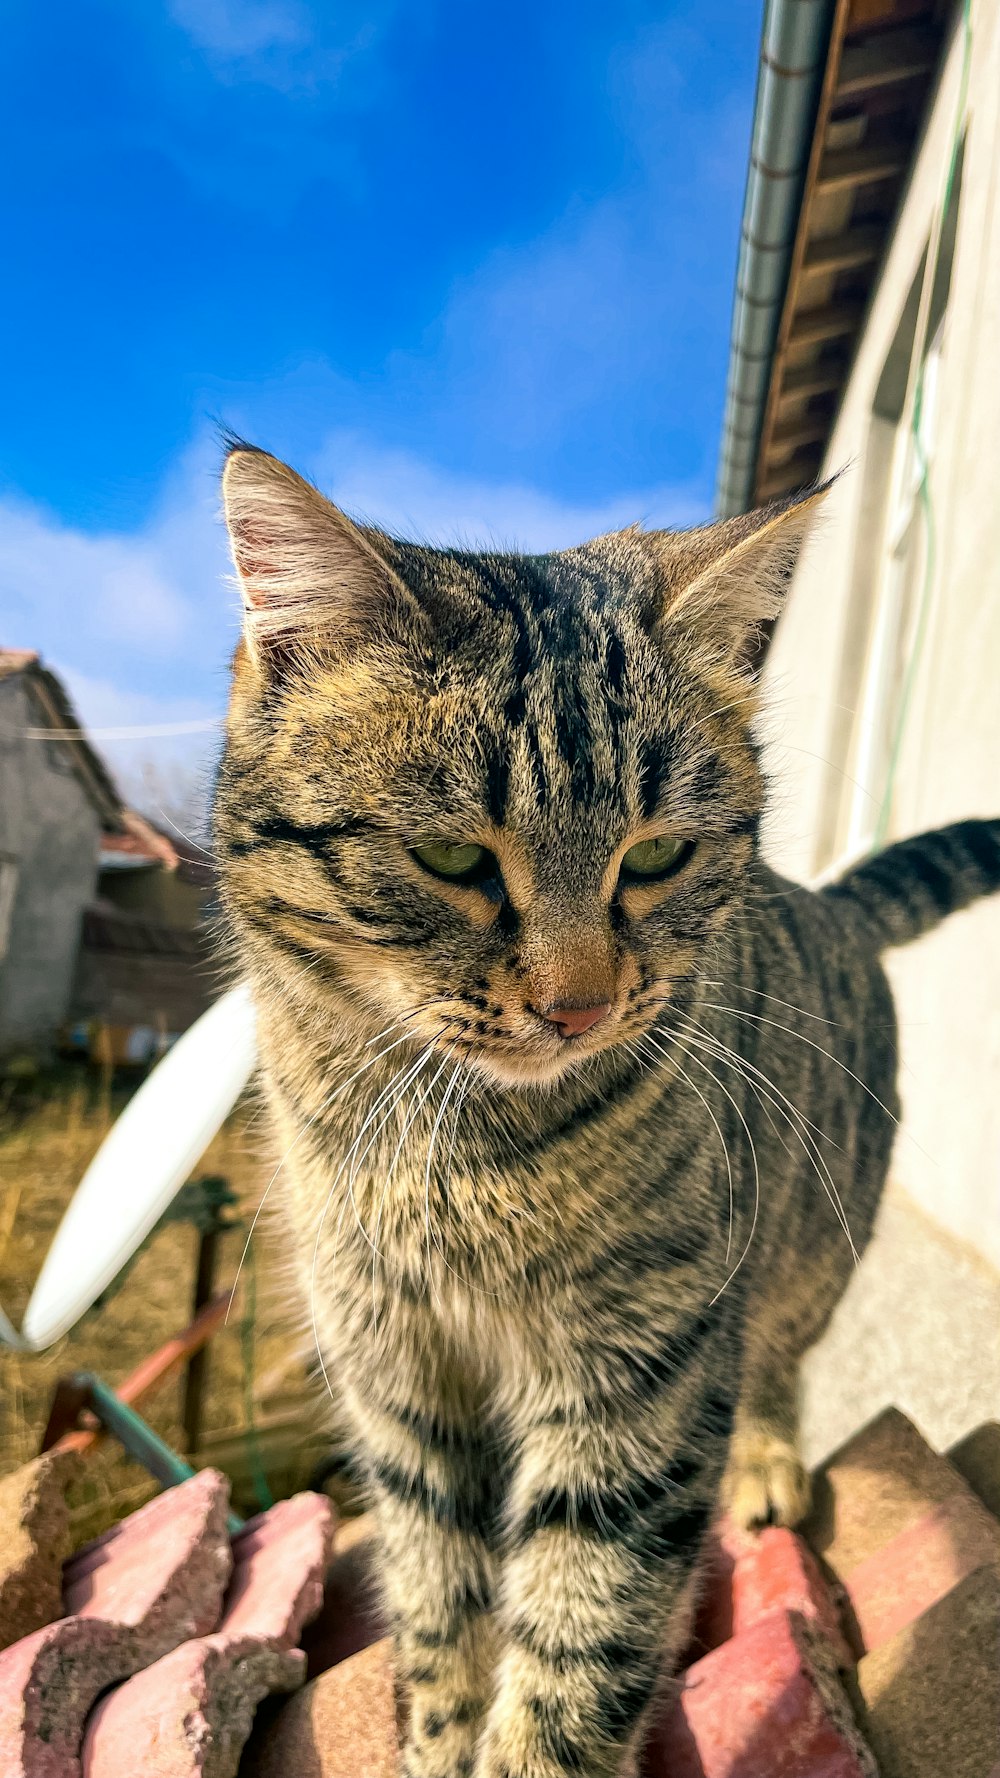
x,y
58,720
142,845
848,157
867,1644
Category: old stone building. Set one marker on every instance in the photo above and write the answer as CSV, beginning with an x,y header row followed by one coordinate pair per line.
x,y
56,798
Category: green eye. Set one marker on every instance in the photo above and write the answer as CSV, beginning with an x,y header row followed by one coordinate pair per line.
x,y
656,858
455,862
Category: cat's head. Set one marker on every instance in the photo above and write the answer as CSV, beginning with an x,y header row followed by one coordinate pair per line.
x,y
507,800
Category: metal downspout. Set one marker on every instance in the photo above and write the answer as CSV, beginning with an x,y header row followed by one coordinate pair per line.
x,y
793,54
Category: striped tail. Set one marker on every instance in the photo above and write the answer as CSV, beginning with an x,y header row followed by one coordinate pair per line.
x,y
907,889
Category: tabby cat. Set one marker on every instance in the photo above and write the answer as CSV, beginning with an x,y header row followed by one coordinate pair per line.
x,y
583,1110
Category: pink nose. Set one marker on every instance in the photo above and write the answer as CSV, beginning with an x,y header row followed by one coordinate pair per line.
x,y
571,1020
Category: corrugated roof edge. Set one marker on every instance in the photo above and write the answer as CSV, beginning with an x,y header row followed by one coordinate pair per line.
x,y
794,45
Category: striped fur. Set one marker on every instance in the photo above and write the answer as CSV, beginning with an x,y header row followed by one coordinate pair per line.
x,y
560,1288
906,891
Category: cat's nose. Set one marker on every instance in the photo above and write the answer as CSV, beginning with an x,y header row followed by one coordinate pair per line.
x,y
571,1019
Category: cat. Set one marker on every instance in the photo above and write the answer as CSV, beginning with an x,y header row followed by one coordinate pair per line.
x,y
584,1111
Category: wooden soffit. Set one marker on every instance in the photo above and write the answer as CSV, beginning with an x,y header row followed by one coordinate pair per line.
x,y
883,59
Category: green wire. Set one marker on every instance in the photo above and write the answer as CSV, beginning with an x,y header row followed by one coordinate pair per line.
x,y
923,484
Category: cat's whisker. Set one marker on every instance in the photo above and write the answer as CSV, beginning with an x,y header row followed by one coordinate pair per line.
x,y
735,1057
419,1099
212,856
397,1087
430,1155
714,1047
676,1037
373,1241
806,1141
318,1113
650,1039
390,1098
415,1012
759,994
465,1092
761,1019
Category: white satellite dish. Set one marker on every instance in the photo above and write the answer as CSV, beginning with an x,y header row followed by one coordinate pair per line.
x,y
141,1165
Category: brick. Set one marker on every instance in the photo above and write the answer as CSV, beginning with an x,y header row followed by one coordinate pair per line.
x,y
135,1594
34,1543
48,1682
775,1571
882,1481
931,1695
751,1574
977,1458
280,1564
164,1569
351,1617
900,1582
342,1725
767,1704
188,1715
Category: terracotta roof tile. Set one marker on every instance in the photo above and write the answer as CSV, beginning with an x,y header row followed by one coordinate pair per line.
x,y
34,1543
931,1694
133,1595
913,1556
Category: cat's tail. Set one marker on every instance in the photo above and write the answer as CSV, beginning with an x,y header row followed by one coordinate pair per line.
x,y
907,889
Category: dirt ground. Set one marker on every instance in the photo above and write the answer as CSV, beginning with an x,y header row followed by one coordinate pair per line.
x,y
48,1134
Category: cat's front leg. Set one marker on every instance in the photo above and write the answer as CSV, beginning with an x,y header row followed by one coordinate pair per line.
x,y
436,1485
609,1519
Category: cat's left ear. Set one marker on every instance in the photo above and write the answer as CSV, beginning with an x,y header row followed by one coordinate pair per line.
x,y
720,583
307,574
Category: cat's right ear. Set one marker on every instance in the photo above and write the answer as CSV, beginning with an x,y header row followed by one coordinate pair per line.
x,y
307,574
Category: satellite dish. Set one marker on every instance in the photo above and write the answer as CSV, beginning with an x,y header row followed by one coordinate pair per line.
x,y
141,1165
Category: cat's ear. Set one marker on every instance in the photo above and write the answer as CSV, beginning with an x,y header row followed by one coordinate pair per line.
x,y
721,583
306,572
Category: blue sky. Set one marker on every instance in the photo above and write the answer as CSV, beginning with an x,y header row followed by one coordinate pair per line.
x,y
469,266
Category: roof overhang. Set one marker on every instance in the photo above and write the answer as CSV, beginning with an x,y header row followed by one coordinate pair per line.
x,y
59,723
834,133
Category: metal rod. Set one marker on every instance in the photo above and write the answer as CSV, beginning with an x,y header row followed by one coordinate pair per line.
x,y
138,1438
155,1369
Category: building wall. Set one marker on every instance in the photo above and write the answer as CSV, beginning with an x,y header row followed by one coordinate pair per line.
x,y
948,985
49,832
158,894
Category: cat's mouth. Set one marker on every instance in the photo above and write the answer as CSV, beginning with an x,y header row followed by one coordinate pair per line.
x,y
513,1064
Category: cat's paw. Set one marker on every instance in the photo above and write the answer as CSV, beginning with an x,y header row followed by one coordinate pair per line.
x,y
766,1483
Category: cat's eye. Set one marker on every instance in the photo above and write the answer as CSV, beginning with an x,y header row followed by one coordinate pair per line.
x,y
457,864
650,859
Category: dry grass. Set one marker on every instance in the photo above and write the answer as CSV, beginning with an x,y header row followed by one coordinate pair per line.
x,y
45,1145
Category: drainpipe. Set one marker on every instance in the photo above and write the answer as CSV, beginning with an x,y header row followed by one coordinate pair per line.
x,y
794,46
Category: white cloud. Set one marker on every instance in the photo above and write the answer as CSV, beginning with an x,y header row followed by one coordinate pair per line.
x,y
414,498
139,594
287,45
114,586
139,625
241,28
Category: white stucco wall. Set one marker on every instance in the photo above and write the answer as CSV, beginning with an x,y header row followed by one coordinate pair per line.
x,y
948,986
